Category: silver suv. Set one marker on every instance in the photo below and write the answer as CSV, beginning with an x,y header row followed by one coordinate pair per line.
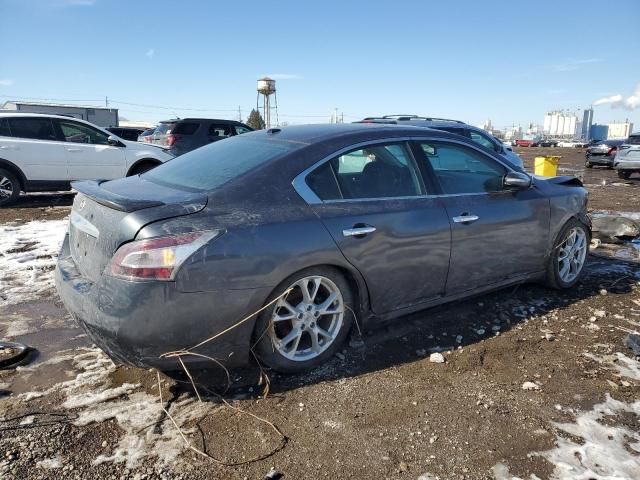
x,y
627,159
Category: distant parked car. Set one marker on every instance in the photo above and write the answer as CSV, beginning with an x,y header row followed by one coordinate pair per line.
x,y
547,142
521,142
46,152
476,134
162,131
627,160
146,135
311,227
602,153
126,133
191,133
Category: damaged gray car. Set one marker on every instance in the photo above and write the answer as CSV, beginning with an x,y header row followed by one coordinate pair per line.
x,y
276,241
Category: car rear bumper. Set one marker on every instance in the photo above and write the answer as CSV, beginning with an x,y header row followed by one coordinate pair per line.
x,y
600,159
136,322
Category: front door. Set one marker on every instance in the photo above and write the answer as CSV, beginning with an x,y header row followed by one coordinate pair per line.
x,y
496,233
374,204
90,157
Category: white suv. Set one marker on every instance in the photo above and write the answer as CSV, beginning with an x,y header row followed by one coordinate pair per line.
x,y
46,152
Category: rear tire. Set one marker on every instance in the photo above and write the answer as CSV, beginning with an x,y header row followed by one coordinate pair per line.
x,y
9,187
568,257
588,164
142,167
300,332
624,175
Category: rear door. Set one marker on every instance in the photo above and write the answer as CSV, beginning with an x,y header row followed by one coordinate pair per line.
x,y
372,200
89,154
496,234
36,148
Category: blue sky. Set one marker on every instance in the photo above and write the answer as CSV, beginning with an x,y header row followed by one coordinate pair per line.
x,y
503,60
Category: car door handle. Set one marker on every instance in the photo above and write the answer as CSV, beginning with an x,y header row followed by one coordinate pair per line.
x,y
74,149
465,218
357,231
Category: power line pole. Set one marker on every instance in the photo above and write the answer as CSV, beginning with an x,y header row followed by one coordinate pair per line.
x,y
239,114
106,102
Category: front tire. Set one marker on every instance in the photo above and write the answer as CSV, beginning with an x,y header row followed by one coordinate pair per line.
x,y
624,175
569,255
9,187
588,164
308,325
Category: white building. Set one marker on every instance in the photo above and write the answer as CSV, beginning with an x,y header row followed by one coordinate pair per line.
x,y
560,124
619,130
101,116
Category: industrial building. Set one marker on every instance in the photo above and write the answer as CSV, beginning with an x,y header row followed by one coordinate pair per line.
x,y
585,126
611,131
101,116
560,124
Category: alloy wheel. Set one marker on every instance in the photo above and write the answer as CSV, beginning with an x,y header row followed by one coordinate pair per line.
x,y
308,319
571,254
6,187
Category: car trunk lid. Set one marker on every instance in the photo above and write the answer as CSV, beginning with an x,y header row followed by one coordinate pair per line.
x,y
107,214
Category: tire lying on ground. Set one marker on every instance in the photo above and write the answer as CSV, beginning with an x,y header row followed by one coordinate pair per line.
x,y
303,330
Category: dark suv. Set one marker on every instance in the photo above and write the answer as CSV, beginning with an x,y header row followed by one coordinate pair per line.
x,y
191,133
476,134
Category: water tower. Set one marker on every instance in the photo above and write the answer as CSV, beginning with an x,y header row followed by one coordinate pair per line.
x,y
266,88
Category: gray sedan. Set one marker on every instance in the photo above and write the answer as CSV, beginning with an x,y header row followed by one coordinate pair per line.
x,y
275,239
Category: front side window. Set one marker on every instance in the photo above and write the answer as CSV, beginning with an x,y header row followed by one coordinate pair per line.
x,y
221,131
240,129
459,169
377,171
79,133
36,128
482,140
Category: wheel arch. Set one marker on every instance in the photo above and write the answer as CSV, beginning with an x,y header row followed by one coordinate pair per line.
x,y
12,167
143,161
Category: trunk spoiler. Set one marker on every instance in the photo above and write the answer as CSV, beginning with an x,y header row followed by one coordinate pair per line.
x,y
91,188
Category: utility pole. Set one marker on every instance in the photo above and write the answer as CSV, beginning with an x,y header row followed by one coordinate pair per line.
x,y
239,114
106,102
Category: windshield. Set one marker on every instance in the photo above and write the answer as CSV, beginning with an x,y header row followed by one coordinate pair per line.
x,y
209,167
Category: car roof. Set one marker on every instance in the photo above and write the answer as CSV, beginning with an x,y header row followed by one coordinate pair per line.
x,y
9,113
315,133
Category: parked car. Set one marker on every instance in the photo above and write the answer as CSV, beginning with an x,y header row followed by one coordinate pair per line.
x,y
547,142
126,133
478,135
521,142
146,135
46,152
303,227
627,159
161,132
191,133
602,153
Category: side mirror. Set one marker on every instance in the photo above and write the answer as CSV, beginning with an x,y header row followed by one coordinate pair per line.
x,y
517,180
114,141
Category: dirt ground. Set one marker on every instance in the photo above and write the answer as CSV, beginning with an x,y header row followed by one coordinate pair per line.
x,y
535,384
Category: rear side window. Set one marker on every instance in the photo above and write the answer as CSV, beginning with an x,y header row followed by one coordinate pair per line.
x,y
217,130
462,170
4,127
212,166
378,171
186,128
36,128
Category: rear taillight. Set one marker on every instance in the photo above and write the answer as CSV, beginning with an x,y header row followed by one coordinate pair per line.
x,y
612,150
172,139
157,258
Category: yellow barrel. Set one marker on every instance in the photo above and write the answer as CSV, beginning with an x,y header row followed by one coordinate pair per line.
x,y
547,166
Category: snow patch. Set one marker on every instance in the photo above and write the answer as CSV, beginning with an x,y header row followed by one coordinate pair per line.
x,y
50,463
625,366
28,255
608,450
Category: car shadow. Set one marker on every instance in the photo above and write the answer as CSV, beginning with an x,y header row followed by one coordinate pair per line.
x,y
440,329
35,200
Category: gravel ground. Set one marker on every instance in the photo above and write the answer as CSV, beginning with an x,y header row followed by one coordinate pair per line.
x,y
534,382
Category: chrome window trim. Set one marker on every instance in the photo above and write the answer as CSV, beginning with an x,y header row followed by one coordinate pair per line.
x,y
300,185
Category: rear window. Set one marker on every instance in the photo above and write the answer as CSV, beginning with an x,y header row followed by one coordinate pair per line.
x,y
36,128
163,128
4,127
209,167
186,128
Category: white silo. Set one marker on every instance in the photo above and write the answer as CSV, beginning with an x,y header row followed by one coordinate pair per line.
x,y
266,88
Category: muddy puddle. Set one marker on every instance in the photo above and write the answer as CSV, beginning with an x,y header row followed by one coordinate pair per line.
x,y
52,336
